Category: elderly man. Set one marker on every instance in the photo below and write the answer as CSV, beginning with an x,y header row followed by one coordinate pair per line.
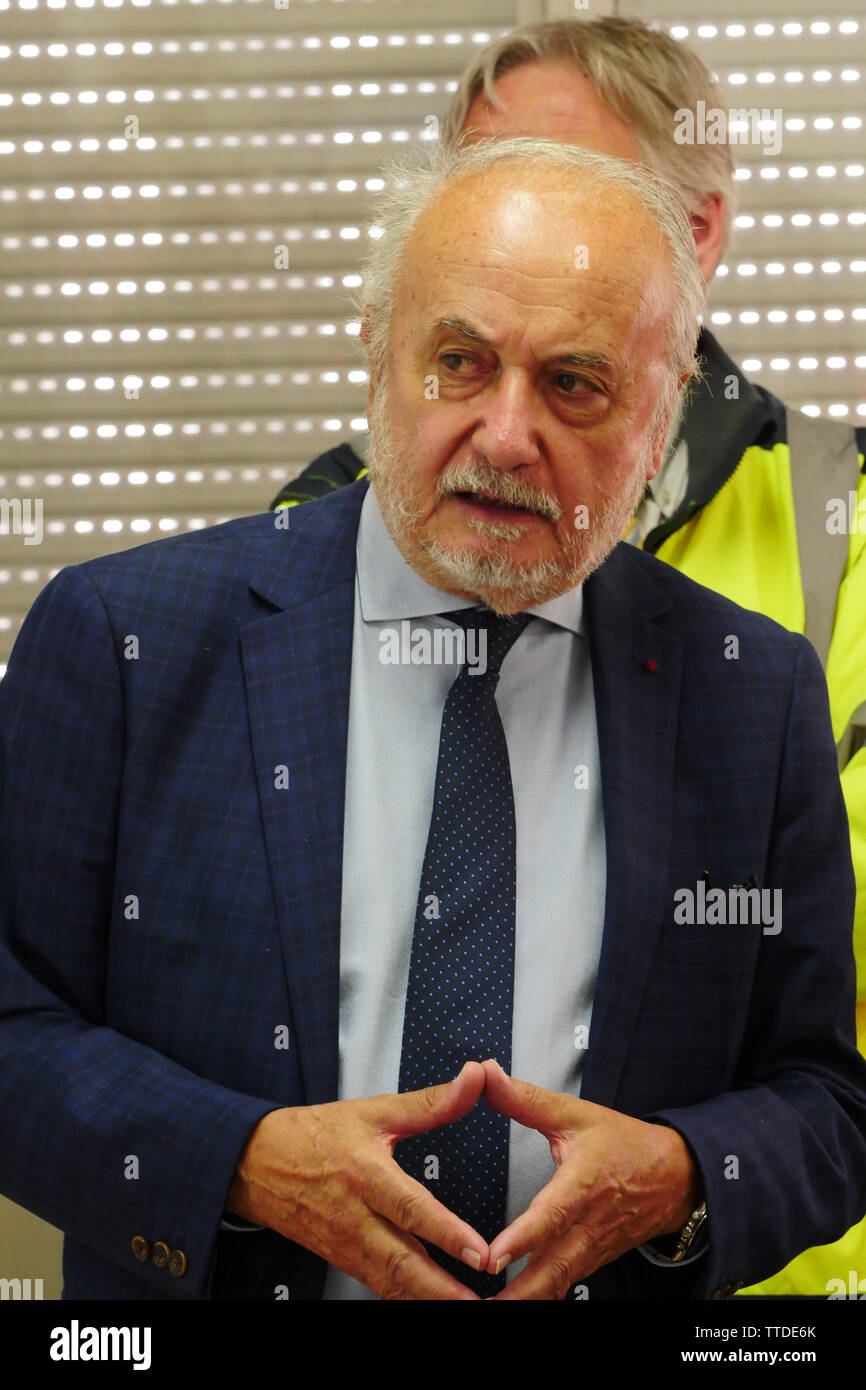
x,y
740,502
332,968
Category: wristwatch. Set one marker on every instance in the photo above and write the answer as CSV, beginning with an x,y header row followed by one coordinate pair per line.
x,y
674,1248
688,1236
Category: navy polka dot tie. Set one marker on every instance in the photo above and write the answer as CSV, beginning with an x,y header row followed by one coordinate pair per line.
x,y
459,999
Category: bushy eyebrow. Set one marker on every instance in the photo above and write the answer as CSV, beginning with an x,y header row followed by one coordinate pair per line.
x,y
465,330
583,360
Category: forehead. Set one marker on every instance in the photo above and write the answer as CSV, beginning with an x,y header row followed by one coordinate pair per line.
x,y
536,259
553,100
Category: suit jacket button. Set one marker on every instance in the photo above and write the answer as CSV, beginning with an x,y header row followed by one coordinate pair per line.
x,y
177,1263
140,1248
161,1254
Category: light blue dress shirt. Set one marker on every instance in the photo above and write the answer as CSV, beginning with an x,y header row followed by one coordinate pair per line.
x,y
545,698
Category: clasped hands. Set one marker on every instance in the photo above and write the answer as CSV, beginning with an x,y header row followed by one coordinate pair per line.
x,y
325,1177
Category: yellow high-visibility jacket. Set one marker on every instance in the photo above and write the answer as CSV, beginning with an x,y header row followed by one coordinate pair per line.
x,y
736,532
741,540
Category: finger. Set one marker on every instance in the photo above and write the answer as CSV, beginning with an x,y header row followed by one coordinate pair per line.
x,y
396,1266
532,1106
549,1215
414,1112
551,1271
409,1206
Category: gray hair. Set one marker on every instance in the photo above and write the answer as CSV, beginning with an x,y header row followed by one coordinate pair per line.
x,y
641,73
414,182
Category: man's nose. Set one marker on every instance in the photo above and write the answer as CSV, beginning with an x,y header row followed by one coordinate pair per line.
x,y
507,432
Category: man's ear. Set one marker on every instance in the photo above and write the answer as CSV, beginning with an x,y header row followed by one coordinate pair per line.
x,y
661,437
658,458
708,221
365,336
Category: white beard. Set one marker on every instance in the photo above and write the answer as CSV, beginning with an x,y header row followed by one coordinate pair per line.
x,y
488,572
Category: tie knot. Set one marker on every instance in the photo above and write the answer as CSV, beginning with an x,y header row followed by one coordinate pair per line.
x,y
500,632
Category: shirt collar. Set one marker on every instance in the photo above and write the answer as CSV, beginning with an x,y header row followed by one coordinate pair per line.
x,y
389,588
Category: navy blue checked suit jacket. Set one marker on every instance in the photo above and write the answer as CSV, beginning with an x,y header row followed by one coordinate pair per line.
x,y
166,906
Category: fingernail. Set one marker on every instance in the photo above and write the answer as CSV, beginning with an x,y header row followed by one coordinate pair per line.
x,y
501,1263
470,1257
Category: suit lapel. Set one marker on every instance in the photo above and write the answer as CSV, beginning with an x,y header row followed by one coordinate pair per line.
x,y
636,711
297,669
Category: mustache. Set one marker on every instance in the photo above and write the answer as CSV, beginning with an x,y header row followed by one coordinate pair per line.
x,y
505,487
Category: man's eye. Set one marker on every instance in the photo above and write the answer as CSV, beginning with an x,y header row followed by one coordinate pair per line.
x,y
570,382
453,361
